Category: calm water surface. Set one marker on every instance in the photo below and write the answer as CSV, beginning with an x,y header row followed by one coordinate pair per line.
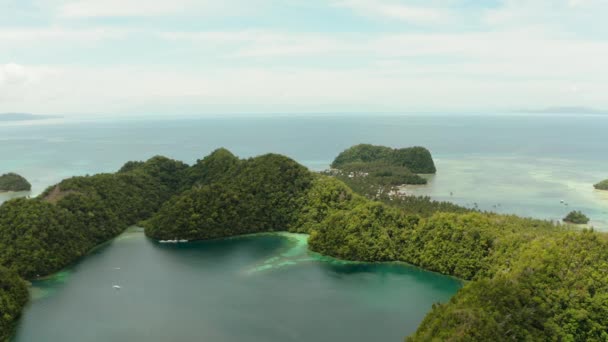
x,y
255,288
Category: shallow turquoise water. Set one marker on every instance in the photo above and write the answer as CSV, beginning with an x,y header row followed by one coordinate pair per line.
x,y
260,288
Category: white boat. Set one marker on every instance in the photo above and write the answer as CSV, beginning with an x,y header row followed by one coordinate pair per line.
x,y
116,287
173,241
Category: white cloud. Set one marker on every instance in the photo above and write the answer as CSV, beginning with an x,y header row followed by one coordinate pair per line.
x,y
394,10
522,54
97,8
560,15
13,74
145,8
55,34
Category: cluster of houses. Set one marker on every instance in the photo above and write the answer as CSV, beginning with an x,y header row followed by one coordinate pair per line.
x,y
392,193
352,174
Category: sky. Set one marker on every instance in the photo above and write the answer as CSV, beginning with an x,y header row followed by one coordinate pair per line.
x,y
171,57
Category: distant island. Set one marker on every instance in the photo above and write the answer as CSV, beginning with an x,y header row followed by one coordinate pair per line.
x,y
14,182
603,185
415,159
24,117
566,110
576,217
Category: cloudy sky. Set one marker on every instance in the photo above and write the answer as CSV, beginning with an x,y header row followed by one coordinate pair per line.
x,y
170,57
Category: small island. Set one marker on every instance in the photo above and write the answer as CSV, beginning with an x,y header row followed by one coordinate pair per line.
x,y
375,170
603,185
576,217
14,182
416,159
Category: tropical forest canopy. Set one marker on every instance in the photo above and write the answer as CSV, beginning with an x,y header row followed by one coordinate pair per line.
x,y
603,185
14,182
576,217
13,297
416,159
366,166
529,279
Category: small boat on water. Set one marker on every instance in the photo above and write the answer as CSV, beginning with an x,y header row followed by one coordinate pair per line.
x,y
116,287
173,241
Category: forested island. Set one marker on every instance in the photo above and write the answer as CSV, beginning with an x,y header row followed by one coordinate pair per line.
x,y
14,182
576,217
364,166
603,185
527,279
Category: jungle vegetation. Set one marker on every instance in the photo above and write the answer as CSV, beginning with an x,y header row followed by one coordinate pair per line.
x,y
13,297
603,185
14,182
415,159
232,197
576,217
40,236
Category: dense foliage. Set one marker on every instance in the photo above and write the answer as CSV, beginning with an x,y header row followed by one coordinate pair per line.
x,y
603,185
462,245
14,182
13,297
213,168
368,177
234,197
416,159
554,290
325,197
40,236
576,217
422,206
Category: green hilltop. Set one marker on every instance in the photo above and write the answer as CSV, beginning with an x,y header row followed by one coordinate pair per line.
x,y
416,159
14,182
